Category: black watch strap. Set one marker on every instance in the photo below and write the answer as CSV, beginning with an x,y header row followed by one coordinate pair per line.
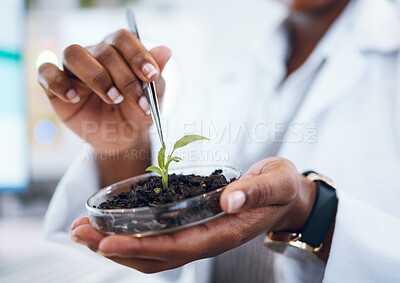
x,y
322,214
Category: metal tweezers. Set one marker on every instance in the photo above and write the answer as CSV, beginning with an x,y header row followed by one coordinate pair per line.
x,y
149,89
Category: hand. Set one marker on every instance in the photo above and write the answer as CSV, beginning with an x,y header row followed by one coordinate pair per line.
x,y
271,196
99,91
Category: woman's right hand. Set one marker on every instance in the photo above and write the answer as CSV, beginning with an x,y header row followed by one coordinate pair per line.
x,y
99,95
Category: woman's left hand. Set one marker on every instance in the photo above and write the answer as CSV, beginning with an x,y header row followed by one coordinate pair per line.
x,y
271,196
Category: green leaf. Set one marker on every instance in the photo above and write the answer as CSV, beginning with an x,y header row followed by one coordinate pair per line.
x,y
154,169
188,139
157,190
175,158
161,157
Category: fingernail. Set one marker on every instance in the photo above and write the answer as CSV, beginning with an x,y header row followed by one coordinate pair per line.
x,y
77,240
72,96
149,70
74,239
236,200
114,95
105,255
144,105
73,226
72,230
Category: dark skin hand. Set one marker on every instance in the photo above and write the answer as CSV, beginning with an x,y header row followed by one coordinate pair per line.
x,y
274,196
271,196
98,95
104,81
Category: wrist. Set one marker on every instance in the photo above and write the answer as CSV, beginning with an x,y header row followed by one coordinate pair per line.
x,y
315,235
116,165
300,209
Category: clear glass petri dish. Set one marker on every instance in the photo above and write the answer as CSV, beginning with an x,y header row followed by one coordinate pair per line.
x,y
163,219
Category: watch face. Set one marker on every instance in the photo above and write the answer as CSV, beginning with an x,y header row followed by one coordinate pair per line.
x,y
290,251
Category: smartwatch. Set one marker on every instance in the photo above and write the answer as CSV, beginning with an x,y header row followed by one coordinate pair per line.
x,y
310,240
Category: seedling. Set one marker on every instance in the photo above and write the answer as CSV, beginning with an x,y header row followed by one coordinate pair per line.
x,y
162,170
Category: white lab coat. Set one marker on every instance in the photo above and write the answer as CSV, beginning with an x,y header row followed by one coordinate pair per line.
x,y
355,105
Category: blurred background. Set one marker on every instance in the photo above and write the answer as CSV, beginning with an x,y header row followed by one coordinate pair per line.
x,y
35,147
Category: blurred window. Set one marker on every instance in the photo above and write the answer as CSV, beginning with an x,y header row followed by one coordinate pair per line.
x,y
13,128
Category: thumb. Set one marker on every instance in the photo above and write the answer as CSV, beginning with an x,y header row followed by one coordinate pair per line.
x,y
161,54
259,191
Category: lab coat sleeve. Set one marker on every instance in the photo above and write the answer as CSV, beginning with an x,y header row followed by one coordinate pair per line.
x,y
365,245
68,202
364,248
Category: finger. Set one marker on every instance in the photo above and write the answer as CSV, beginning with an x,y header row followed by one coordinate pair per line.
x,y
135,54
262,165
79,222
275,187
147,266
178,246
56,82
161,55
129,247
83,65
86,235
122,75
124,78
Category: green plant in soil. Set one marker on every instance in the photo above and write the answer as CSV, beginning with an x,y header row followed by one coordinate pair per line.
x,y
162,168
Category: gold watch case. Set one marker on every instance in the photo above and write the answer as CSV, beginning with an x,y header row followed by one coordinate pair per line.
x,y
289,244
316,177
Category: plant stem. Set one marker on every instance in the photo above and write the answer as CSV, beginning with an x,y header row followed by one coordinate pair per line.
x,y
164,178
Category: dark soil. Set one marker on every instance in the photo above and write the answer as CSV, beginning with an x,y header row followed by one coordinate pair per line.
x,y
180,187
